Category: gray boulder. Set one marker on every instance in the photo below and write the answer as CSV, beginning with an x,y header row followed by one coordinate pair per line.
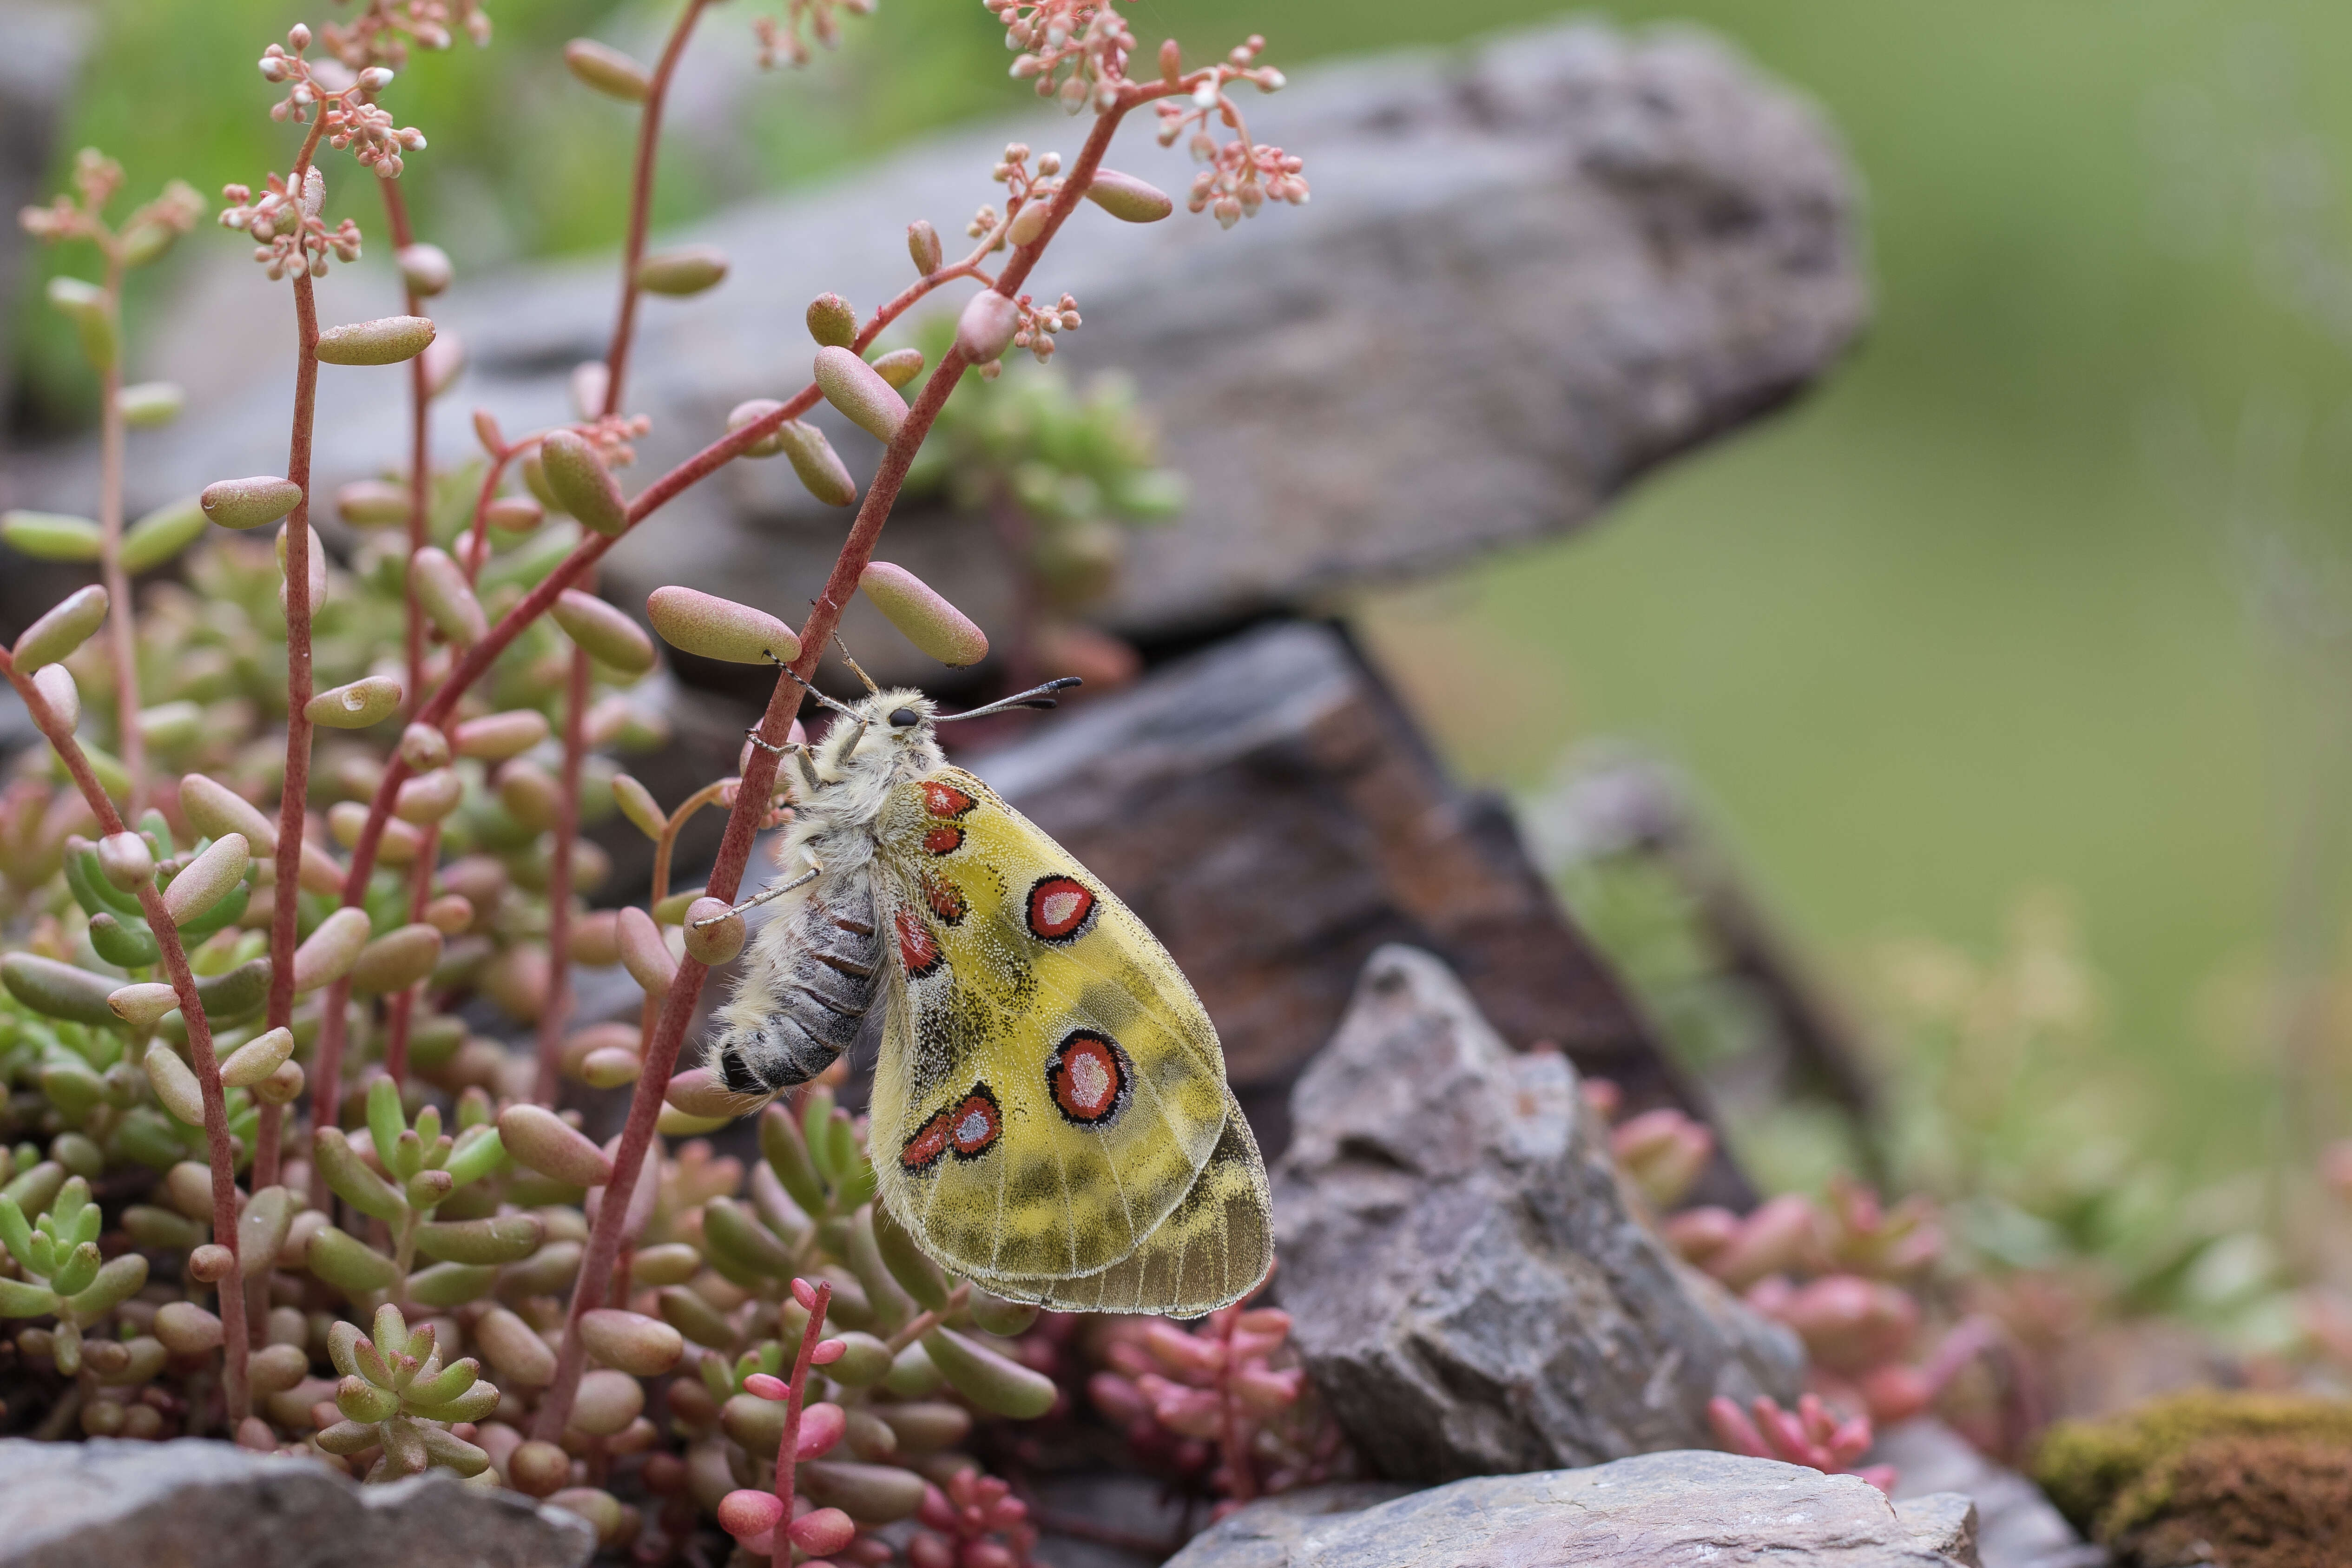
x,y
1657,1510
2017,1526
1532,269
1475,1286
190,1503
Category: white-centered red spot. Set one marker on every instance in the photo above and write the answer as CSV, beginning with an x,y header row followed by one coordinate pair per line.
x,y
1089,1077
943,840
919,950
946,800
1059,908
973,1124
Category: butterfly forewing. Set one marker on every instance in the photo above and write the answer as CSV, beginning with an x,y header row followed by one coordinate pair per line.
x,y
1049,1088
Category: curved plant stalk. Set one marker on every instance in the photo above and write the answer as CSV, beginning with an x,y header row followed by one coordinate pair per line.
x,y
174,964
641,201
753,795
555,1011
420,471
121,636
667,845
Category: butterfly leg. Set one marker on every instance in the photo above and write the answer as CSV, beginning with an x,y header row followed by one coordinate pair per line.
x,y
775,891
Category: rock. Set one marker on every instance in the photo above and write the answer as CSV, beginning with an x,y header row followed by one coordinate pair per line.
x,y
2017,1526
1274,816
1669,1510
1533,268
191,1503
1474,1287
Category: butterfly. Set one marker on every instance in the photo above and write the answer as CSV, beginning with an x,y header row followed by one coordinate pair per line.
x,y
1050,1117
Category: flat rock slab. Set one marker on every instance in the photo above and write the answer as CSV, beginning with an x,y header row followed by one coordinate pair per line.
x,y
190,1503
1533,268
1677,1510
2017,1525
1274,816
1473,1286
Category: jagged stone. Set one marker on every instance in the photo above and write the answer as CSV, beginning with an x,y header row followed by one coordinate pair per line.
x,y
1274,816
1533,268
191,1503
1474,1285
1658,1510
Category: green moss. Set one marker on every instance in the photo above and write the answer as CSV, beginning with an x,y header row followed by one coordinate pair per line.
x,y
2111,1475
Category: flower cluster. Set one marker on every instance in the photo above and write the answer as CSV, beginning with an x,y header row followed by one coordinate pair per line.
x,y
383,30
782,43
145,234
1076,51
1242,175
975,1522
289,235
1227,1402
350,119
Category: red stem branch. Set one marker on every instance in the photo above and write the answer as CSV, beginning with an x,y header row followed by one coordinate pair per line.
x,y
788,1446
752,796
174,964
556,1011
641,203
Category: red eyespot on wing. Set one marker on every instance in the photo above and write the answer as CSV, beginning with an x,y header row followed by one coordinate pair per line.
x,y
1090,1078
946,901
943,840
918,950
946,800
1060,909
923,1150
973,1124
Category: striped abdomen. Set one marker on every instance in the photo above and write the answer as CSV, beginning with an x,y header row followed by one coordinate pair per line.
x,y
828,970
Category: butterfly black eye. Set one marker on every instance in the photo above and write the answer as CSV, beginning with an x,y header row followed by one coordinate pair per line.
x,y
904,718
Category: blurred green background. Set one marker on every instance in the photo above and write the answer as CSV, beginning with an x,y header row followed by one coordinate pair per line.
x,y
2043,591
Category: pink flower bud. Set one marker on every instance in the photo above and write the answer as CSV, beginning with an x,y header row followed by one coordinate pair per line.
x,y
822,1530
985,328
745,1512
827,1351
823,1426
767,1387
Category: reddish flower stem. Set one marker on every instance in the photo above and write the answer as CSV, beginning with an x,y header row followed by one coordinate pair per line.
x,y
556,1011
667,845
476,550
641,202
420,471
753,795
478,659
788,1446
327,1077
402,1009
122,638
1241,1480
174,964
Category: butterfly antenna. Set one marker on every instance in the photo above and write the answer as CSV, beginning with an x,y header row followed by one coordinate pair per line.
x,y
821,699
843,647
1039,697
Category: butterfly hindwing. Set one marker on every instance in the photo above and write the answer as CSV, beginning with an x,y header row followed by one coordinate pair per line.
x,y
1212,1249
1050,1089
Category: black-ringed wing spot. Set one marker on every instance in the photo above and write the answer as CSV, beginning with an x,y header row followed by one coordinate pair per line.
x,y
946,800
919,950
1090,1078
923,1150
945,900
943,840
973,1124
1060,910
